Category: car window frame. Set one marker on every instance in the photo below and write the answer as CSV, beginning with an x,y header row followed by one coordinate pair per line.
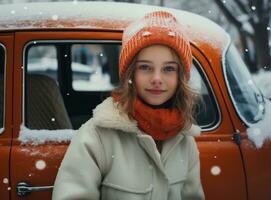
x,y
196,63
26,47
2,129
211,93
224,66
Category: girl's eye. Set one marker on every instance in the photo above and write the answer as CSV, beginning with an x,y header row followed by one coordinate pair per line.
x,y
144,67
170,68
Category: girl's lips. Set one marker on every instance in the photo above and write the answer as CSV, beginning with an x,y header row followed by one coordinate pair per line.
x,y
155,91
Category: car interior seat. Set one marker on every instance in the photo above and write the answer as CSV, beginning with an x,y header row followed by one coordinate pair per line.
x,y
45,107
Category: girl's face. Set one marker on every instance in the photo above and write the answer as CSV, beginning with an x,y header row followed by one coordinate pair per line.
x,y
156,74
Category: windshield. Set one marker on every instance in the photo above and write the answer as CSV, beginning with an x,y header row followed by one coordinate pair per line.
x,y
247,98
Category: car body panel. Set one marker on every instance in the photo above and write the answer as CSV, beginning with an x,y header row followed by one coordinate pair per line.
x,y
229,170
36,165
257,166
217,149
6,40
51,154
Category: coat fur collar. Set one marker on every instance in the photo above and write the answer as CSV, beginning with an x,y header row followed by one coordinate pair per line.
x,y
107,115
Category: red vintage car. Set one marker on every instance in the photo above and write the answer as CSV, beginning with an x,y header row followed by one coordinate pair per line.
x,y
59,60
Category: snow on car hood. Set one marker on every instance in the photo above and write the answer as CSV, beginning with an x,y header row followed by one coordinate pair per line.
x,y
110,16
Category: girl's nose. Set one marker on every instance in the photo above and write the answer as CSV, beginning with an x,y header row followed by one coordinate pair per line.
x,y
156,78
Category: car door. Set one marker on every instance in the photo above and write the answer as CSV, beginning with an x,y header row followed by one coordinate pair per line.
x,y
222,172
253,113
41,127
42,124
36,155
6,55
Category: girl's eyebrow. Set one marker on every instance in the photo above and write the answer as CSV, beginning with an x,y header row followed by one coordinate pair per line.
x,y
171,62
147,61
166,62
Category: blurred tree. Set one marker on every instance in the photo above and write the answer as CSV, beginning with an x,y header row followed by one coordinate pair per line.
x,y
252,19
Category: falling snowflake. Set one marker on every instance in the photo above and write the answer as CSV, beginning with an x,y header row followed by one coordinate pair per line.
x,y
250,82
53,119
268,28
9,188
246,50
209,11
40,164
13,12
215,170
253,7
5,180
101,54
65,55
55,17
224,1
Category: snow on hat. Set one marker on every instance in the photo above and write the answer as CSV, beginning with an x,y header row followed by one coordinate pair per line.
x,y
158,27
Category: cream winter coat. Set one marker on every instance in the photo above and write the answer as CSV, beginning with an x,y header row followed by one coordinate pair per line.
x,y
111,159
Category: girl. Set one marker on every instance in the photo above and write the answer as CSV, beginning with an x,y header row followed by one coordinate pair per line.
x,y
139,143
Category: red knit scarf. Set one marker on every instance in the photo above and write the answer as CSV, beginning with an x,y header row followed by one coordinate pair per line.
x,y
160,123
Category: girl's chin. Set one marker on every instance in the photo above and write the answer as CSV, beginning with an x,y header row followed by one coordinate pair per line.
x,y
154,102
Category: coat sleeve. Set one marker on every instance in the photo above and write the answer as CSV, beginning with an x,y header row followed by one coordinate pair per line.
x,y
192,189
80,173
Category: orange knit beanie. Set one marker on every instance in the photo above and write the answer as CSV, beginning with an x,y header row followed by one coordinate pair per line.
x,y
158,27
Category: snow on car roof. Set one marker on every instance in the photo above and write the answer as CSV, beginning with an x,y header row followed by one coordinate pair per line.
x,y
101,16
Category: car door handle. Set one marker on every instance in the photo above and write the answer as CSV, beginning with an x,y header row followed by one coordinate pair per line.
x,y
23,189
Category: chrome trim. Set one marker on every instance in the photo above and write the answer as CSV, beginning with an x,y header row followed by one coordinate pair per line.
x,y
34,42
23,189
2,129
209,86
228,86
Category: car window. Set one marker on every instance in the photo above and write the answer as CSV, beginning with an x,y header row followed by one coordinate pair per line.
x,y
246,97
42,59
44,105
207,113
2,83
94,67
64,81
